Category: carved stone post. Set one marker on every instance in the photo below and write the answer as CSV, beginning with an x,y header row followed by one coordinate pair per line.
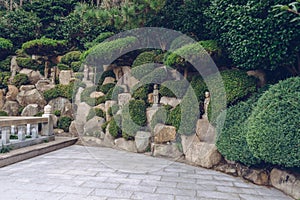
x,y
21,133
47,129
5,135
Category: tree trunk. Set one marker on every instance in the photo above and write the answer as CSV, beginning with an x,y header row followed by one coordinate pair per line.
x,y
21,3
11,5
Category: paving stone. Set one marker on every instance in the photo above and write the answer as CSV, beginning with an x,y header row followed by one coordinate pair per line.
x,y
217,195
137,188
113,193
175,191
151,196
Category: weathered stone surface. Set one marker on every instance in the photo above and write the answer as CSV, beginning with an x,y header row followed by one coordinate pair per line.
x,y
164,133
127,145
33,76
203,154
93,125
132,82
72,129
27,87
259,177
63,105
108,80
65,77
150,113
108,140
205,131
82,112
108,104
2,99
227,168
150,98
97,94
123,98
101,106
260,75
286,182
142,141
44,85
166,150
11,107
12,93
30,110
187,141
170,101
31,97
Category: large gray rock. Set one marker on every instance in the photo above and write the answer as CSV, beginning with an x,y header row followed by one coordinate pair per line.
x,y
65,77
12,93
44,85
31,97
30,110
286,182
124,98
170,101
142,141
93,125
108,80
63,105
205,131
257,176
11,107
150,113
203,154
127,145
164,133
33,76
73,129
2,99
166,150
27,87
187,141
81,114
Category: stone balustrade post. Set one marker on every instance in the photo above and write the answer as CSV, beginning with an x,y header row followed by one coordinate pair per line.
x,y
47,128
34,131
21,133
5,135
28,129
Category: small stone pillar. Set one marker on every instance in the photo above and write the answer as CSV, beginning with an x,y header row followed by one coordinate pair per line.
x,y
5,135
34,132
47,129
28,129
155,96
21,133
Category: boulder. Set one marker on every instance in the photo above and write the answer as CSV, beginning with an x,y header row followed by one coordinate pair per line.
x,y
108,80
170,101
31,97
124,98
203,154
12,93
63,105
72,129
11,107
205,131
27,87
164,133
108,140
65,77
187,141
108,104
93,125
166,150
127,145
33,76
287,182
101,106
132,82
259,177
150,113
30,110
2,98
142,141
96,94
81,114
44,85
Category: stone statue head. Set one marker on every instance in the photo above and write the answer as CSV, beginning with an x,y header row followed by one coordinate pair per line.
x,y
207,94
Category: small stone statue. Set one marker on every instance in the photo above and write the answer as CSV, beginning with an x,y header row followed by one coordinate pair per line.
x,y
47,109
206,103
155,96
86,73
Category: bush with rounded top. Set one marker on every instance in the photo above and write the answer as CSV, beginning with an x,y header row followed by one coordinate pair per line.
x,y
70,57
75,66
3,113
142,70
66,91
61,66
273,127
144,58
105,88
137,110
5,47
114,127
112,94
5,64
64,123
44,47
20,79
26,62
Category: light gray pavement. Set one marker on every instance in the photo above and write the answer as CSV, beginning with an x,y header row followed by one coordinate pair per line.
x,y
79,172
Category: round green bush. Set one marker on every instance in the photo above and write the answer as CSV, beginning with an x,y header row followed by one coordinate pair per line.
x,y
112,94
73,56
105,88
3,113
114,128
61,66
66,91
26,62
137,110
20,79
273,127
144,58
174,117
142,92
142,70
5,48
64,123
5,64
76,66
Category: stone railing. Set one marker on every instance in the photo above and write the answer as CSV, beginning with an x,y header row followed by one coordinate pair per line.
x,y
17,132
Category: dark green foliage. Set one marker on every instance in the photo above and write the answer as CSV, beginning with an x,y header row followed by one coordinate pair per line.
x,y
5,47
5,64
114,128
95,112
144,58
64,123
100,38
20,79
160,116
142,92
104,125
44,47
66,91
3,113
273,127
75,66
26,62
105,74
174,88
57,113
199,87
112,94
4,78
142,70
174,118
243,26
156,76
137,110
85,96
231,136
105,88
70,57
78,75
113,110
61,66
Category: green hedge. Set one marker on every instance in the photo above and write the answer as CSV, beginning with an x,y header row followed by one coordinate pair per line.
x,y
64,123
26,62
105,88
5,64
73,56
231,136
66,91
142,92
95,112
61,66
112,94
44,46
144,58
5,48
273,127
174,88
20,79
142,70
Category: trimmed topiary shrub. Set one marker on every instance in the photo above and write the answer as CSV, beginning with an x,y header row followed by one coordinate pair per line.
x,y
273,127
105,88
113,93
5,64
142,92
137,110
144,58
5,48
64,123
142,70
65,91
75,66
26,62
3,113
44,46
61,66
73,56
20,79
174,118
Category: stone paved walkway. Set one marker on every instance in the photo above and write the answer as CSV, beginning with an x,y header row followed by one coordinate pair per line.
x,y
79,172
